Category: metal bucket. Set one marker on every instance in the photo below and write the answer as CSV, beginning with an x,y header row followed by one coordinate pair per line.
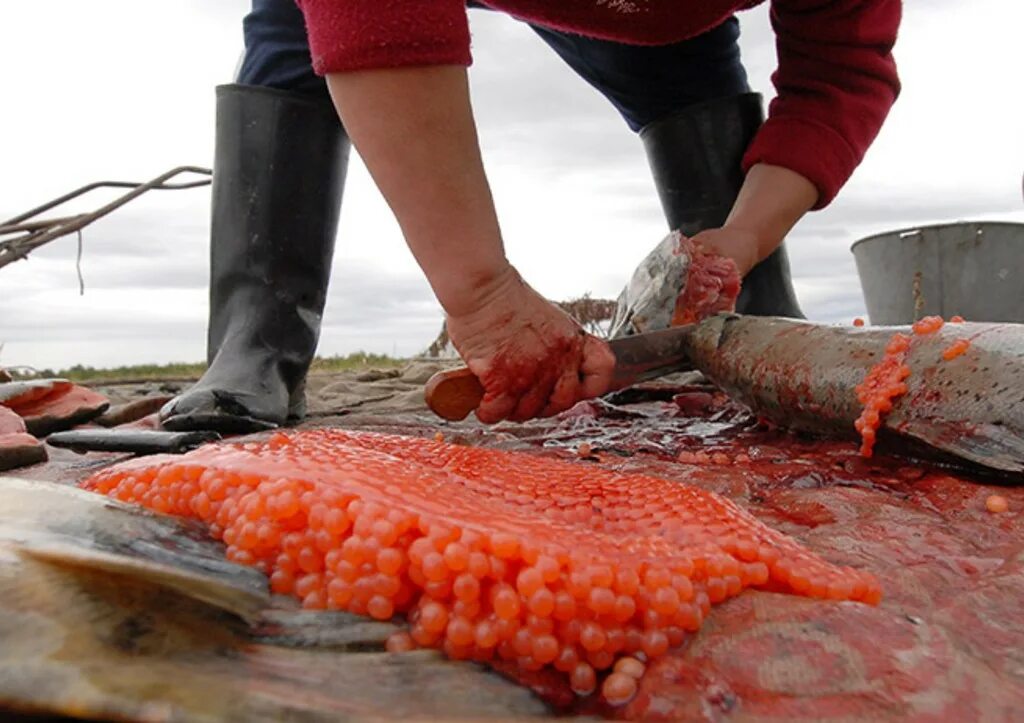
x,y
974,269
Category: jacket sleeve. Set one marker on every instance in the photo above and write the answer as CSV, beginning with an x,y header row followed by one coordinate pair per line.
x,y
836,81
346,35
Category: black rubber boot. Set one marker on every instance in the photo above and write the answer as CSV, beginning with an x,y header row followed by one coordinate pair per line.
x,y
695,156
279,171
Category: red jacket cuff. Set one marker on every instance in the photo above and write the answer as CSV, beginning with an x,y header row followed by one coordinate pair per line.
x,y
364,34
807,147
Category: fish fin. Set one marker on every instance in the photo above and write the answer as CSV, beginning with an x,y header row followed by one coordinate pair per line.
x,y
992,446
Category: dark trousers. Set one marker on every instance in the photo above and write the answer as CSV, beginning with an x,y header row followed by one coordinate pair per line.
x,y
644,83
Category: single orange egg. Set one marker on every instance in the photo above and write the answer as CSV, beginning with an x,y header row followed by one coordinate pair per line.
x,y
996,504
619,688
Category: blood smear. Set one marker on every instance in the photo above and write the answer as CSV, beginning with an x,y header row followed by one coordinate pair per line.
x,y
489,554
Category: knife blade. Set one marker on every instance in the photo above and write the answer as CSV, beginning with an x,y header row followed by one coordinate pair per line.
x,y
453,393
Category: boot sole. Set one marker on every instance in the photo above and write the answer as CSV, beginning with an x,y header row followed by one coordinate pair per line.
x,y
222,423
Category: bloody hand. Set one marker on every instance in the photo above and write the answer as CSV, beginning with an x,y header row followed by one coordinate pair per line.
x,y
531,357
712,284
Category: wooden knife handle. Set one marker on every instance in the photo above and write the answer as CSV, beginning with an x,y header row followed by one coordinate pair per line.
x,y
454,393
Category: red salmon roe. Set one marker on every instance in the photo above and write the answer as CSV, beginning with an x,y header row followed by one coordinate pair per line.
x,y
955,349
400,642
956,319
996,504
631,667
619,688
858,322
712,284
583,679
884,383
928,325
488,554
880,387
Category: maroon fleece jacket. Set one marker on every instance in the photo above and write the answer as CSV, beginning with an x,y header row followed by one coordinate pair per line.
x,y
836,78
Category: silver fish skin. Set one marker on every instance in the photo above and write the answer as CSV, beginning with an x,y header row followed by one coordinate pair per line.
x,y
803,376
648,301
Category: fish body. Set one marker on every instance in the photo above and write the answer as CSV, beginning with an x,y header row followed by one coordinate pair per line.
x,y
15,394
18,448
804,376
51,405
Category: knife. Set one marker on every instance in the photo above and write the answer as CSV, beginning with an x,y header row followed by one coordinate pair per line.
x,y
454,393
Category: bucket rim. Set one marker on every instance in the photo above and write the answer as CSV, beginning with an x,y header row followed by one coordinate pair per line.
x,y
932,226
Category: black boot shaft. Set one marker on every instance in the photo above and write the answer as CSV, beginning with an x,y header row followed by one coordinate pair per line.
x,y
696,158
279,171
696,155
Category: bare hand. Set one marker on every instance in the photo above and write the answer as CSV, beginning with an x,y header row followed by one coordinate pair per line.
x,y
531,357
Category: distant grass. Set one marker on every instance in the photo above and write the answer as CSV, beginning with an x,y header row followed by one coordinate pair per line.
x,y
358,360
80,373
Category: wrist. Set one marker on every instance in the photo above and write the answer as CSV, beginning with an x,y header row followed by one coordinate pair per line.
x,y
771,201
462,291
756,244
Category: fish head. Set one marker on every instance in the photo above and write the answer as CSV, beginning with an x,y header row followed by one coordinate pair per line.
x,y
649,298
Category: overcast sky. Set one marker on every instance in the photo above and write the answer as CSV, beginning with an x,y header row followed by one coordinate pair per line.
x,y
121,89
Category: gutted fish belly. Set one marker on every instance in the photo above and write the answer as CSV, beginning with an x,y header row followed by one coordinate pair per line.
x,y
804,376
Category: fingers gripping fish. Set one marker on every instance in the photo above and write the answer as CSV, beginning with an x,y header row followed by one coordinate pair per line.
x,y
679,282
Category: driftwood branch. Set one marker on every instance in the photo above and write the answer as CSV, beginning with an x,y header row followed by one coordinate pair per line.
x,y
30,233
589,312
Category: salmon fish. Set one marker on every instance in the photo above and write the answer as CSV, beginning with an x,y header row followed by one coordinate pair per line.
x,y
803,376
